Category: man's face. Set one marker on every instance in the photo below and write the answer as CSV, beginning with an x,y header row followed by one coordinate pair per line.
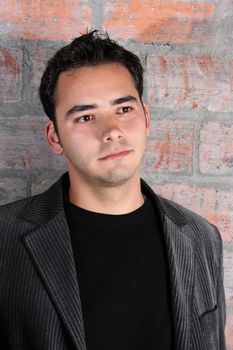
x,y
102,124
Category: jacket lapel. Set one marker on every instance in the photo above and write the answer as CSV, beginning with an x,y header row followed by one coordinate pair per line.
x,y
180,253
50,248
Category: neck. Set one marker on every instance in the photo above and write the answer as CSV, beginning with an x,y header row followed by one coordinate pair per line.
x,y
121,199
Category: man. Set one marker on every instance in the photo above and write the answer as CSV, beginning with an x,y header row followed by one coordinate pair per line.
x,y
99,261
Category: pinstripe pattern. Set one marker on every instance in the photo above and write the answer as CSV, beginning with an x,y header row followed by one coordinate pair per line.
x,y
39,297
194,249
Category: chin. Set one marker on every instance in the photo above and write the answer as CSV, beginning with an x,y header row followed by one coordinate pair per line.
x,y
117,179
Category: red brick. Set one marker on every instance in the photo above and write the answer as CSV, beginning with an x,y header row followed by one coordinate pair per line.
x,y
12,189
23,145
169,21
190,82
45,19
170,147
216,149
214,204
11,74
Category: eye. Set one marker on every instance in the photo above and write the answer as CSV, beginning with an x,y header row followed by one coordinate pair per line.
x,y
84,118
125,109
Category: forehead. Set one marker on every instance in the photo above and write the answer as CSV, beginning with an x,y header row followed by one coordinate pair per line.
x,y
111,68
91,79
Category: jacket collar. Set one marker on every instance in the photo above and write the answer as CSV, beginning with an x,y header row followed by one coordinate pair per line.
x,y
44,207
50,248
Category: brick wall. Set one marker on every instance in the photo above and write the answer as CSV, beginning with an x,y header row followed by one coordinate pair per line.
x,y
187,50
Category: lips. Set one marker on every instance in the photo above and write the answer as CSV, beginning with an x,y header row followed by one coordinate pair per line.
x,y
115,155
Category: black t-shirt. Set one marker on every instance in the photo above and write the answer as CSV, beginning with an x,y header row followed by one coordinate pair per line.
x,y
123,278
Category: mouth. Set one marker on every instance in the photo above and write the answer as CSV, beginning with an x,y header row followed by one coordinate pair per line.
x,y
116,155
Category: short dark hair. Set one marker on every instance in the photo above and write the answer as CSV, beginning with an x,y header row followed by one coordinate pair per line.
x,y
87,50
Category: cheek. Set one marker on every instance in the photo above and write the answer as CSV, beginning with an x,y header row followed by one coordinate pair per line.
x,y
138,128
79,143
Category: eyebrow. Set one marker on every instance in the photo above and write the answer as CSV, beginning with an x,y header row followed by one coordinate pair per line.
x,y
82,108
124,99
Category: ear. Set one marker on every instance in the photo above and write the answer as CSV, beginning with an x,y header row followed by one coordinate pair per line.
x,y
147,116
52,138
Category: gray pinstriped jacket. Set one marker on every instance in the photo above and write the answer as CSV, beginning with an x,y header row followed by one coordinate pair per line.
x,y
40,306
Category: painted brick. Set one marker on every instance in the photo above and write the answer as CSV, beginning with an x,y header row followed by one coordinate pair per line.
x,y
228,271
45,19
214,204
11,74
216,148
23,145
229,329
225,12
190,82
170,147
167,21
39,57
12,189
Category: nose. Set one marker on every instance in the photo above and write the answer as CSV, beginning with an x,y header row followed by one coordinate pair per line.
x,y
111,130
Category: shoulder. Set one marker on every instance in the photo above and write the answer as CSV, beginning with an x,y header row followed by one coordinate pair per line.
x,y
196,227
20,216
204,237
199,227
204,241
12,214
42,205
13,209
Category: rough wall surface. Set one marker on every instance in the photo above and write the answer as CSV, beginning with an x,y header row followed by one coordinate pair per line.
x,y
187,51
